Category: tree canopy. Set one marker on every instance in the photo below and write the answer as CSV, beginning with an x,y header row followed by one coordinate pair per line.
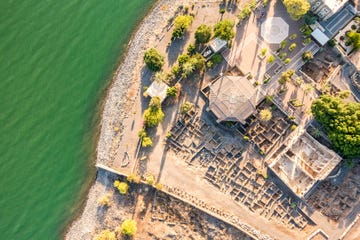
x,y
153,115
224,30
341,123
297,8
286,76
128,227
181,24
123,187
153,59
203,34
307,56
106,235
354,38
265,114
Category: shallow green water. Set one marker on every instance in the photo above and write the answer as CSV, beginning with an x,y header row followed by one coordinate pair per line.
x,y
56,58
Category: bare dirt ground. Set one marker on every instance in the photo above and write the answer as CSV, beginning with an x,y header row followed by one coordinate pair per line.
x,y
158,215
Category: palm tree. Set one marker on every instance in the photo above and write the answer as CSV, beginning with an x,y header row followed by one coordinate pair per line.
x,y
188,68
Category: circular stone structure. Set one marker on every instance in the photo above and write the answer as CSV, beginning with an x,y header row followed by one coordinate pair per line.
x,y
274,30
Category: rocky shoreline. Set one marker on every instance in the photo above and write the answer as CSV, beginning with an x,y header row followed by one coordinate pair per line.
x,y
117,107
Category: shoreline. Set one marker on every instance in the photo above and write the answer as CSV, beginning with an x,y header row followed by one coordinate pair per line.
x,y
114,104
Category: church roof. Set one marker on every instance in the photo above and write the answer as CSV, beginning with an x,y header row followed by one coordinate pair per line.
x,y
232,98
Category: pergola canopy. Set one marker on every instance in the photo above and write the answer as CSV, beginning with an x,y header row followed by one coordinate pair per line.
x,y
274,30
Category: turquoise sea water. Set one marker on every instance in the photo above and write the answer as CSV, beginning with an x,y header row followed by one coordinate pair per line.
x,y
56,59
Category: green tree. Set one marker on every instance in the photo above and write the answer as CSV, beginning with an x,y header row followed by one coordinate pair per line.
x,y
286,76
155,103
123,187
224,30
203,34
181,24
186,107
296,8
271,59
146,141
171,91
128,227
150,179
292,46
354,38
106,235
154,115
265,114
104,200
188,68
341,122
153,59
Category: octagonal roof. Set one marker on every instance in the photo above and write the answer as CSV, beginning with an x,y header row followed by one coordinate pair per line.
x,y
274,30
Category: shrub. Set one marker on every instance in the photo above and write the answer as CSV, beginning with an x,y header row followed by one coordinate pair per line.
x,y
142,133
216,58
263,52
203,34
106,235
209,64
128,227
146,142
158,186
224,30
244,13
269,98
293,36
104,201
271,59
176,70
307,41
298,81
186,107
187,69
282,55
283,44
354,38
307,56
183,58
181,24
286,76
296,102
133,178
265,114
123,187
292,46
191,49
160,76
150,179
153,115
153,59
171,91
332,43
